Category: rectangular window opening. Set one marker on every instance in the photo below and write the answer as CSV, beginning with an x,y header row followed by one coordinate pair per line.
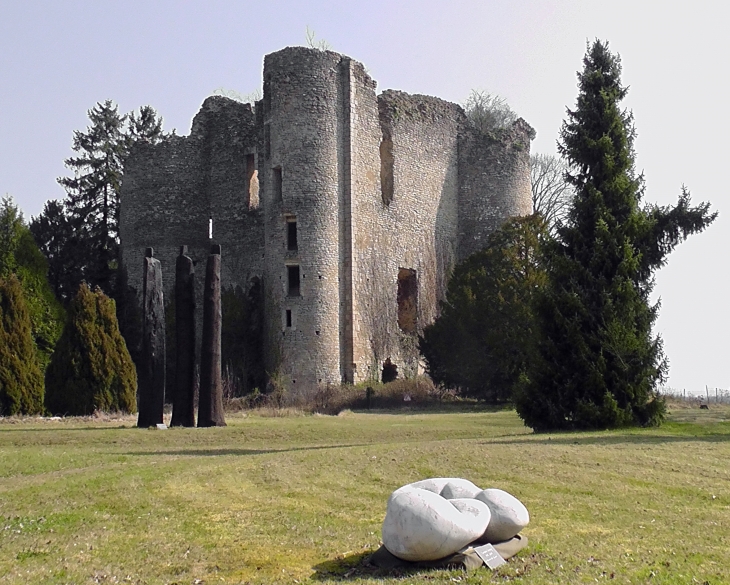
x,y
252,181
293,280
407,300
210,228
288,317
278,185
291,233
386,169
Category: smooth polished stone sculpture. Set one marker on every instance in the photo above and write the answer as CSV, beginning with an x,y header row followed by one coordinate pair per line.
x,y
433,518
509,515
448,487
421,525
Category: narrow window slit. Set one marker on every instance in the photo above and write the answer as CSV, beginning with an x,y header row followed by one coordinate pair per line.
x,y
291,233
293,280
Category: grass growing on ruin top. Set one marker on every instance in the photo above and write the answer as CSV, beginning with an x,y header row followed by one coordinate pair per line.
x,y
302,498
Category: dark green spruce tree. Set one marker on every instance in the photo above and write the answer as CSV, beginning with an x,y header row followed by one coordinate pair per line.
x,y
93,192
64,250
598,362
81,238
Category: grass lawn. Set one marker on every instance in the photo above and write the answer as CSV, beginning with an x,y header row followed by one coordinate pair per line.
x,y
302,498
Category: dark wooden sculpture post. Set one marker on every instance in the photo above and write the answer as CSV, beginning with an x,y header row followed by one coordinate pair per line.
x,y
152,372
183,404
210,403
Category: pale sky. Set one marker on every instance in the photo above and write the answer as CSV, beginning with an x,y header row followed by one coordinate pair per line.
x,y
58,59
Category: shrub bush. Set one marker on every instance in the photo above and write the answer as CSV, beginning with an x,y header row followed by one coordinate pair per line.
x,y
19,255
21,380
91,368
483,339
334,398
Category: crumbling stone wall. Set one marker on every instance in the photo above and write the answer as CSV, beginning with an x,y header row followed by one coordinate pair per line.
x,y
171,191
494,182
362,201
412,228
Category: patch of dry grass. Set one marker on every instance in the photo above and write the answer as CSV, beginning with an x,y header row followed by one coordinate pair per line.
x,y
418,392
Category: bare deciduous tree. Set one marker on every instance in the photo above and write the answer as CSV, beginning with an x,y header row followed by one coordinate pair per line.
x,y
314,43
488,111
551,194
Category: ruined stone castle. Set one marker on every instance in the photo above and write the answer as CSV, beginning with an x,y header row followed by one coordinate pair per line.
x,y
348,208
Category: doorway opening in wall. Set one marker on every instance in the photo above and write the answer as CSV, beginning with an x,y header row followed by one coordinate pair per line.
x,y
252,181
291,233
277,183
292,273
407,300
288,317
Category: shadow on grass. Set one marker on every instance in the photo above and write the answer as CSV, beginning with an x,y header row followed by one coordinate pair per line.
x,y
61,429
635,438
356,566
242,452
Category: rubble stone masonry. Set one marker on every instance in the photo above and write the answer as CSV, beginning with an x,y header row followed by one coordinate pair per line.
x,y
350,206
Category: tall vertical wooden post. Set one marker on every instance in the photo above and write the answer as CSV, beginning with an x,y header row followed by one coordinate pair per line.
x,y
210,402
183,403
152,373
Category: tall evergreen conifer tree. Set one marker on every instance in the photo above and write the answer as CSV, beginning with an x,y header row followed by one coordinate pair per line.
x,y
93,191
92,203
598,362
54,233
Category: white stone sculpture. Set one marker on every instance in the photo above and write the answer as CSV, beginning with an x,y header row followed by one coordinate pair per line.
x,y
509,515
420,525
434,518
460,488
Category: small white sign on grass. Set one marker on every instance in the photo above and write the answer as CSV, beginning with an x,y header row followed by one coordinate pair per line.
x,y
489,555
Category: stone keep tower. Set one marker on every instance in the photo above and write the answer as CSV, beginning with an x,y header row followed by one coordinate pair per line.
x,y
350,207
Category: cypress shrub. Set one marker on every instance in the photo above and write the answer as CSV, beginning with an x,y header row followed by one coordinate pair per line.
x,y
21,380
91,368
19,255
